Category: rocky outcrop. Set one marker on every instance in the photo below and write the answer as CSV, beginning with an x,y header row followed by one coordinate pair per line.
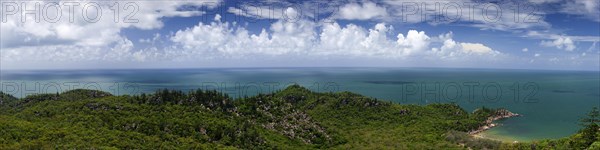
x,y
289,121
497,115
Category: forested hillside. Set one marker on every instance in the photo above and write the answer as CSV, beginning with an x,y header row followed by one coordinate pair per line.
x,y
293,118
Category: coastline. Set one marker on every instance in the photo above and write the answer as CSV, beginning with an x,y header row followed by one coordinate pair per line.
x,y
489,124
492,136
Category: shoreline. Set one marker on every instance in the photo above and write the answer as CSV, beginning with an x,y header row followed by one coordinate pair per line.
x,y
506,139
489,124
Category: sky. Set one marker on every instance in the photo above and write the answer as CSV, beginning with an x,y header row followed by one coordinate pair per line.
x,y
527,34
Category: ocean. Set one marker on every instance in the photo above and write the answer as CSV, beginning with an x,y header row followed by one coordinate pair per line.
x,y
550,102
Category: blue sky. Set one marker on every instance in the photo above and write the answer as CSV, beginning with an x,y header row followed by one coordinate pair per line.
x,y
542,34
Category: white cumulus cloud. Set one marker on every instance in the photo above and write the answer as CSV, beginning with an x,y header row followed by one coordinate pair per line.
x,y
561,43
364,11
477,48
307,39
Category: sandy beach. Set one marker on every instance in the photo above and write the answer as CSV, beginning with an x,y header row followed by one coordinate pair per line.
x,y
491,136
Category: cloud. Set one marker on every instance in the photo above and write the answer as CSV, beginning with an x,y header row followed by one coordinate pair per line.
x,y
477,48
80,41
308,39
364,11
204,41
356,41
302,38
335,39
561,43
451,49
265,12
224,39
483,15
589,9
543,1
414,42
83,31
593,47
457,11
525,50
121,50
553,36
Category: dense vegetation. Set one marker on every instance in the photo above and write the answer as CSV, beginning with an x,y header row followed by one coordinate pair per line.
x,y
293,118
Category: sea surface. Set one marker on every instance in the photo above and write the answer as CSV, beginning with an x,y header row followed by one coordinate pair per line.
x,y
550,102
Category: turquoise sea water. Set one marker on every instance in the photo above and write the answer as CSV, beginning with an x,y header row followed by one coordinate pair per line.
x,y
551,102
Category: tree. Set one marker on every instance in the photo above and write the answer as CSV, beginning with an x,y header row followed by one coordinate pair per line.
x,y
592,118
590,127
